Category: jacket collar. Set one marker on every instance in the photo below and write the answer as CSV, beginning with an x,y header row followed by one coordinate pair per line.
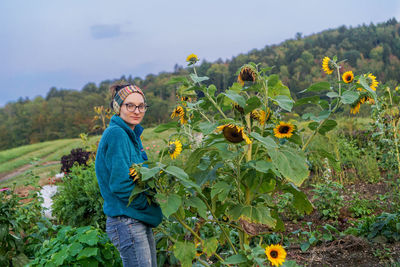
x,y
133,134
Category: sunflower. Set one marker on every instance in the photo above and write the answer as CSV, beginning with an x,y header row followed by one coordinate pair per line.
x,y
261,116
247,74
179,112
174,148
372,82
276,254
348,76
328,65
238,108
233,133
355,107
284,130
133,173
192,58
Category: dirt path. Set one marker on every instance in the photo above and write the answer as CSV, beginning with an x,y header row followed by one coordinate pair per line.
x,y
6,176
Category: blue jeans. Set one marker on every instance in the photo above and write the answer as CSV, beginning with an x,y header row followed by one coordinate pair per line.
x,y
134,241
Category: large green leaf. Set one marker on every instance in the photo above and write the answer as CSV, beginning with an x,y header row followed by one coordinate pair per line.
x,y
261,165
291,163
182,176
235,259
221,189
268,142
163,127
197,203
327,126
284,102
194,159
207,127
307,100
300,200
90,237
87,252
318,87
198,79
149,173
349,97
74,248
260,214
210,246
276,88
185,252
169,203
251,104
235,97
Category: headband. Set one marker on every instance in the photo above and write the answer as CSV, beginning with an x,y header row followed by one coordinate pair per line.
x,y
122,94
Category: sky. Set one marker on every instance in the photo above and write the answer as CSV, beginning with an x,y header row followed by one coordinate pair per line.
x,y
67,44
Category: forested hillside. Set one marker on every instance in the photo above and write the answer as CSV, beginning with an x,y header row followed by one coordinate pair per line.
x,y
65,113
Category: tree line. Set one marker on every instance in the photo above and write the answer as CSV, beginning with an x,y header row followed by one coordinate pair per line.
x,y
65,113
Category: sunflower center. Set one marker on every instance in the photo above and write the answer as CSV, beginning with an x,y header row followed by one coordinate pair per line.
x,y
247,75
172,148
284,129
274,254
348,78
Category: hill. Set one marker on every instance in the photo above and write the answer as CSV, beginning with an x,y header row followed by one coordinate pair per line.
x,y
65,113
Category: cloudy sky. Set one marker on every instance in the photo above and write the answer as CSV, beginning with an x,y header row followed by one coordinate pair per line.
x,y
66,44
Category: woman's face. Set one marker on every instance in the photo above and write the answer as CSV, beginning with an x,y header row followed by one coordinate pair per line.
x,y
132,118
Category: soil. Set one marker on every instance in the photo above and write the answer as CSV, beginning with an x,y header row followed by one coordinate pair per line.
x,y
348,250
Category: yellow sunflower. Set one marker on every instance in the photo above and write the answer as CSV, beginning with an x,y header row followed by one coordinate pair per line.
x,y
174,148
328,65
133,174
261,116
355,107
372,82
284,130
276,254
192,58
233,133
179,112
348,76
247,74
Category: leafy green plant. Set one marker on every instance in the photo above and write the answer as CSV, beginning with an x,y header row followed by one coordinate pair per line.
x,y
78,201
361,207
328,199
11,244
383,228
314,237
84,246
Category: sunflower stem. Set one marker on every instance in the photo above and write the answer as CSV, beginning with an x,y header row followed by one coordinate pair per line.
x,y
216,105
249,147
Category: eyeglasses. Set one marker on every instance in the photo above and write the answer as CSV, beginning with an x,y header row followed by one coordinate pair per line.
x,y
132,107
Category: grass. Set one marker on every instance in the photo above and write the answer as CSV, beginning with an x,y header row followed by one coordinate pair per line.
x,y
7,155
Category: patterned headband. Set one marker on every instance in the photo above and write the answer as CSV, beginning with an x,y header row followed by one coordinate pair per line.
x,y
122,94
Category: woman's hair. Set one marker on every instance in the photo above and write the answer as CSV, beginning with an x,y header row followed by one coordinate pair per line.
x,y
115,87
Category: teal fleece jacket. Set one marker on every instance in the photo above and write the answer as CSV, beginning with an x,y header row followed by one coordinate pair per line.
x,y
119,148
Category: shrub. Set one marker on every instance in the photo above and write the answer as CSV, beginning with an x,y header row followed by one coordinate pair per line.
x,y
84,246
77,155
383,228
328,200
79,201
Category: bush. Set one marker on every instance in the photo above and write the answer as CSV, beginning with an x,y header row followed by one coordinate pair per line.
x,y
77,155
85,246
328,200
78,201
382,228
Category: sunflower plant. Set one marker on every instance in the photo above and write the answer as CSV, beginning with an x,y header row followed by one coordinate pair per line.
x,y
241,154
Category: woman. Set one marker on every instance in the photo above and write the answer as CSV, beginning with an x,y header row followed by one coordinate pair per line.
x,y
128,227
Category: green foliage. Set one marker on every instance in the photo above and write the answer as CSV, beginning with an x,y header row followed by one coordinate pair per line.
x,y
361,207
328,199
84,246
78,201
325,233
382,228
11,243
